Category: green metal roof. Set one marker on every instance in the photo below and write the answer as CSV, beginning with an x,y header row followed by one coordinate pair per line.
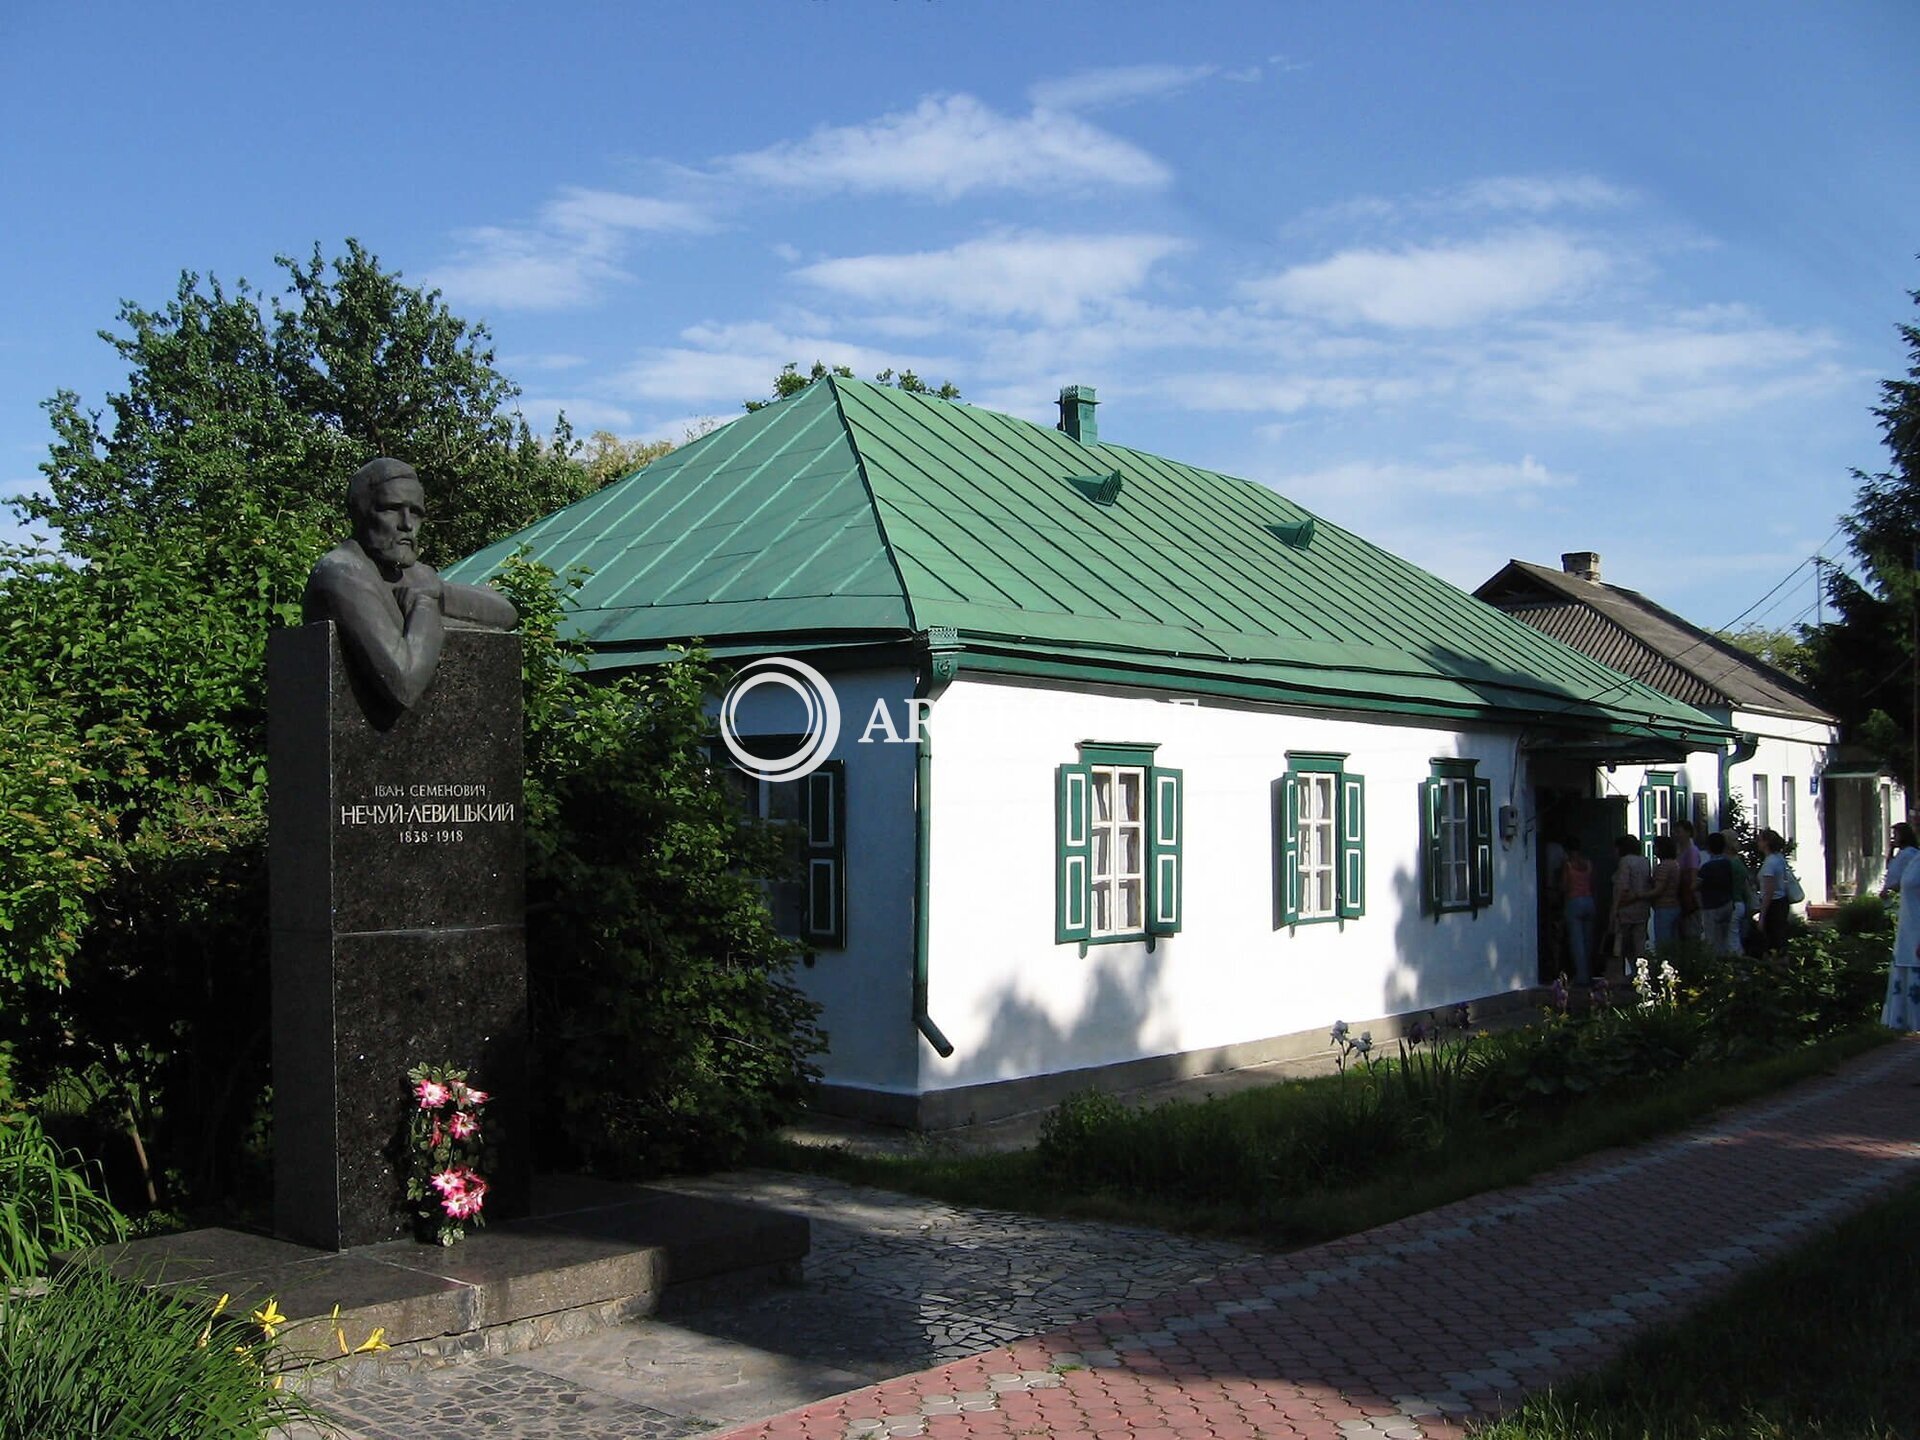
x,y
857,513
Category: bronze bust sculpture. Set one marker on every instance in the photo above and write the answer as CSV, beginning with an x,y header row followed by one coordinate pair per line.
x,y
393,611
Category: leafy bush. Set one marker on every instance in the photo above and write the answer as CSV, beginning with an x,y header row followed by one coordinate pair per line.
x,y
1867,915
668,1032
46,1202
87,1355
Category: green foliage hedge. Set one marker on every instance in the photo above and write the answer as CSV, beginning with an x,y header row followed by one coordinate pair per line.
x,y
668,1029
1448,1089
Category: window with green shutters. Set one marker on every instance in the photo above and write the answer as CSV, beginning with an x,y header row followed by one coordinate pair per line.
x,y
1456,830
1322,832
823,853
1663,800
809,902
1118,841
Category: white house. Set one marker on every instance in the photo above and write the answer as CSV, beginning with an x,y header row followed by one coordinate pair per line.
x,y
1785,764
1200,774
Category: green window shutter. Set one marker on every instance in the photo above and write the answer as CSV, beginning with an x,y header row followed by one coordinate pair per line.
x,y
824,831
1163,852
1646,820
1287,848
1353,846
1073,853
1430,797
1683,804
1482,837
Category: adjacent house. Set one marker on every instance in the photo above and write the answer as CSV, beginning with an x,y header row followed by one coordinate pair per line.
x,y
1200,773
1785,765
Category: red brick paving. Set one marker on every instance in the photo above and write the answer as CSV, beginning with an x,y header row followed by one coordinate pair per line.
x,y
1408,1330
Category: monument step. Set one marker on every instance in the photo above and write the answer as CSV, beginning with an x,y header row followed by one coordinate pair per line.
x,y
594,1253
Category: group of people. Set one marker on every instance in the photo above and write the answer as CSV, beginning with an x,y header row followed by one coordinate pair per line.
x,y
1687,892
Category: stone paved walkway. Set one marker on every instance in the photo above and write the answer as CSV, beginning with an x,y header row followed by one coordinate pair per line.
x,y
1047,1328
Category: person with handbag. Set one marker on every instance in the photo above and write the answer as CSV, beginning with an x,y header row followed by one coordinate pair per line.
x,y
1632,889
1779,892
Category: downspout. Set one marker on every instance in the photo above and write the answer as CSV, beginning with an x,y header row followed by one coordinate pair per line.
x,y
942,661
1744,747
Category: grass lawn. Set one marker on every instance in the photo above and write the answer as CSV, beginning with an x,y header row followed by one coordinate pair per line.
x,y
1237,1166
1823,1345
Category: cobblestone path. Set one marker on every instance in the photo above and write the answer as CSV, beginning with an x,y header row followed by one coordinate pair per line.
x,y
893,1284
1049,1328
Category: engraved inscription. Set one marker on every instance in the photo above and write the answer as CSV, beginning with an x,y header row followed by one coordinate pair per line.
x,y
430,813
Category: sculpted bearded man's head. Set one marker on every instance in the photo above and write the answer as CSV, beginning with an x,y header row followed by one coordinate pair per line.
x,y
387,505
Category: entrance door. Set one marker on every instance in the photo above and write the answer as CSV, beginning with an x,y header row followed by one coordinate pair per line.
x,y
1596,824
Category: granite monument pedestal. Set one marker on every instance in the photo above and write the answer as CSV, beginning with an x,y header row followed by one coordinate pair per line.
x,y
398,903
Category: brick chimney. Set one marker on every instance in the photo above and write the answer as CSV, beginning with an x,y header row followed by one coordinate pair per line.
x,y
1076,414
1585,564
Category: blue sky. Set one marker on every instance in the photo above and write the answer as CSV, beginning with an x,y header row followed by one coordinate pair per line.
x,y
1478,281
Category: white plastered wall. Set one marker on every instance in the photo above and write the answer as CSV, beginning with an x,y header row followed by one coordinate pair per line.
x,y
1016,1004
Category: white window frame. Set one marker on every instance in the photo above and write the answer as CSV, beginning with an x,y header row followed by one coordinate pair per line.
x,y
1789,810
1762,809
1318,838
1456,834
1106,882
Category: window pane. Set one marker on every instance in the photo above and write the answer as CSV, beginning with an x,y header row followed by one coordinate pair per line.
x,y
1131,783
1102,794
1132,910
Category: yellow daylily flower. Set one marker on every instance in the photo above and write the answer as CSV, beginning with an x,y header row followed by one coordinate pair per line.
x,y
375,1342
269,1318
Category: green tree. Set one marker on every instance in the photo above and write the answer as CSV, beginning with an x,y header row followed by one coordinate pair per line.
x,y
1862,662
278,401
605,457
791,382
668,1029
1786,650
145,667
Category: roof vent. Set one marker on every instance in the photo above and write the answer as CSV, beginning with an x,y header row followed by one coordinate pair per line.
x,y
1101,489
1582,564
1076,414
1299,534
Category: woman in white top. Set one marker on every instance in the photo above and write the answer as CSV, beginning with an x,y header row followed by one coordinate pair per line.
x,y
1902,1010
1899,856
1774,905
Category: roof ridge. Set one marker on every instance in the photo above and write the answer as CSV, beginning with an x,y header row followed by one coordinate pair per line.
x,y
1579,590
873,503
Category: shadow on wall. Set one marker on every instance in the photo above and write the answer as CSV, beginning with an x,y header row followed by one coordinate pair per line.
x,y
1457,955
1117,1021
1438,961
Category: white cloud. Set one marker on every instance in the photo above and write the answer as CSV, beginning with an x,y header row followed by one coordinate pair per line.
x,y
553,360
583,413
1687,369
1287,394
1374,482
721,365
567,257
949,146
1538,194
1439,286
1051,278
1091,89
